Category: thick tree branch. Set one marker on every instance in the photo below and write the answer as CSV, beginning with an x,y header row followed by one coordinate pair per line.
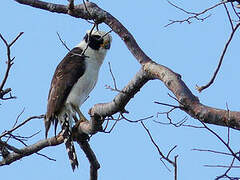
x,y
97,14
150,70
188,102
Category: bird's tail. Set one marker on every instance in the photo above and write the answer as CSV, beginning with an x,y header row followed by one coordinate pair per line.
x,y
67,135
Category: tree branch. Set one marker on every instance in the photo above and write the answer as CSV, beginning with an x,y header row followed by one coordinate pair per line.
x,y
9,65
220,61
29,150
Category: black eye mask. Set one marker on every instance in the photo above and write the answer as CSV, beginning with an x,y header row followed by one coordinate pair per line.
x,y
94,41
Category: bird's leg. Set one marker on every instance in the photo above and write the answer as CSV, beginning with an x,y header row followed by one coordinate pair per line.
x,y
81,116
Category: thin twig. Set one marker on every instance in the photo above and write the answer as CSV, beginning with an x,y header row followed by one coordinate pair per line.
x,y
154,143
229,17
135,121
221,166
43,155
226,172
21,124
112,75
9,62
83,52
236,13
18,117
63,43
226,145
194,15
212,151
220,61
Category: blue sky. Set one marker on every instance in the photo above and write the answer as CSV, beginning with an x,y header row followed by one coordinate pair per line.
x,y
126,153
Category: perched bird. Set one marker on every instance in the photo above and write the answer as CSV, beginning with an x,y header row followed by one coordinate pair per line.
x,y
73,80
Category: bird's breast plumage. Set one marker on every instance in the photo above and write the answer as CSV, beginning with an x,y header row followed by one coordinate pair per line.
x,y
84,85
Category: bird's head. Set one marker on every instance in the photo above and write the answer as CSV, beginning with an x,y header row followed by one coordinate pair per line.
x,y
95,44
98,40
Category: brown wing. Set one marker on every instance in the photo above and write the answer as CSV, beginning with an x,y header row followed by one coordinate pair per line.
x,y
67,73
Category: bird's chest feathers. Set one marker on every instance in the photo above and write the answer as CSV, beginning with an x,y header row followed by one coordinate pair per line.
x,y
84,85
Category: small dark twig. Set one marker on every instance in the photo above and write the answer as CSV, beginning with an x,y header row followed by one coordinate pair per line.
x,y
193,14
158,149
18,117
169,105
115,123
212,151
21,124
236,13
112,75
63,43
9,65
221,166
83,52
226,172
135,121
43,155
218,137
229,17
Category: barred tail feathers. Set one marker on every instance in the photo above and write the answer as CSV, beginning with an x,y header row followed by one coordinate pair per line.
x,y
67,135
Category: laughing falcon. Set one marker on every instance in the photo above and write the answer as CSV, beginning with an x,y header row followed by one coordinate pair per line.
x,y
73,80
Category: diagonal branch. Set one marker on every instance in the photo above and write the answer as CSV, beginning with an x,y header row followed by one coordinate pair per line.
x,y
220,61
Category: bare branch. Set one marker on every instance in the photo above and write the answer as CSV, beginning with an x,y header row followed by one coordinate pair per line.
x,y
112,75
158,149
229,16
21,124
28,150
63,43
94,164
220,61
173,163
135,121
219,138
212,151
9,65
194,14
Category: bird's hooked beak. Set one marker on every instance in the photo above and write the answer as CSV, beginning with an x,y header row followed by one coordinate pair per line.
x,y
106,44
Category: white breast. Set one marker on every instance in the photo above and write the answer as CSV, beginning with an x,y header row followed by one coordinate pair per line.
x,y
84,85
